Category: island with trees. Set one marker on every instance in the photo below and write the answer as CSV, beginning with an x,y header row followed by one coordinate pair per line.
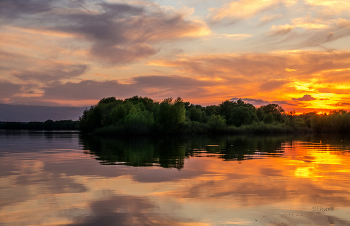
x,y
142,115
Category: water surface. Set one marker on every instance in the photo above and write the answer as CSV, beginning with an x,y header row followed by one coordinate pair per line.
x,y
62,178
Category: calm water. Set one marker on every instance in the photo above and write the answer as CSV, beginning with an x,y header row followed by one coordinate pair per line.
x,y
66,179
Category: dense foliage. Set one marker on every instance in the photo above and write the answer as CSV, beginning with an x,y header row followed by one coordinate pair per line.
x,y
142,115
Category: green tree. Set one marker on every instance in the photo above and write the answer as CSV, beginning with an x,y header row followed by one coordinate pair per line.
x,y
118,114
216,122
268,118
171,115
195,114
241,114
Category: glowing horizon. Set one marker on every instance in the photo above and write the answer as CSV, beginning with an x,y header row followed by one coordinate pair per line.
x,y
71,53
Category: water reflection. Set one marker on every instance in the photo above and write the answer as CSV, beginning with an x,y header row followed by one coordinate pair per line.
x,y
170,152
66,179
167,152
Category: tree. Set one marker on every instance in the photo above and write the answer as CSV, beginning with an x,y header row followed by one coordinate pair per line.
x,y
274,109
241,115
107,100
118,114
216,122
268,118
171,115
49,124
225,108
238,113
90,120
195,114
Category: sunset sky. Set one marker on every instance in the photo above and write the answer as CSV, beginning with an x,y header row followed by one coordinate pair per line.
x,y
295,53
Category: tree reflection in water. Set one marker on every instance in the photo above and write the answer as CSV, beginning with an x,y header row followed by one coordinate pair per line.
x,y
170,152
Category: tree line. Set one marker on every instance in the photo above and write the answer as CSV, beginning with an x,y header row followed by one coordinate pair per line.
x,y
47,125
142,115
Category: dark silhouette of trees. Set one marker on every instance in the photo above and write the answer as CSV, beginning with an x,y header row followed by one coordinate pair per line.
x,y
276,111
47,125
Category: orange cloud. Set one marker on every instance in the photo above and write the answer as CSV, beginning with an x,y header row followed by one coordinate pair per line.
x,y
114,33
58,54
247,8
290,70
259,76
212,78
231,36
334,6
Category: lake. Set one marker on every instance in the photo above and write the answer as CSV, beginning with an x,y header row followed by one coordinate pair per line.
x,y
64,178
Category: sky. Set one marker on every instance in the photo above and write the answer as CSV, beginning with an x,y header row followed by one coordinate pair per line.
x,y
294,53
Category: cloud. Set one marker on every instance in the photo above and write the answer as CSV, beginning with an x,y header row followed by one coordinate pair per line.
x,y
263,76
237,10
306,32
259,102
175,82
8,89
115,54
272,85
330,6
153,86
243,68
334,90
232,36
281,29
269,18
306,97
310,23
290,70
252,101
238,67
119,33
342,104
284,103
13,9
86,89
254,66
56,73
139,212
206,79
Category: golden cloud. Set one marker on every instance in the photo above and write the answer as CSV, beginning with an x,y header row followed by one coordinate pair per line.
x,y
336,6
247,8
243,72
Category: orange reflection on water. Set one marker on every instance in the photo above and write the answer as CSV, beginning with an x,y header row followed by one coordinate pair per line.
x,y
266,189
318,161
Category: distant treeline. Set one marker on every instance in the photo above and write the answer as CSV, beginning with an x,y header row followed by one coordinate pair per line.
x,y
47,125
142,115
